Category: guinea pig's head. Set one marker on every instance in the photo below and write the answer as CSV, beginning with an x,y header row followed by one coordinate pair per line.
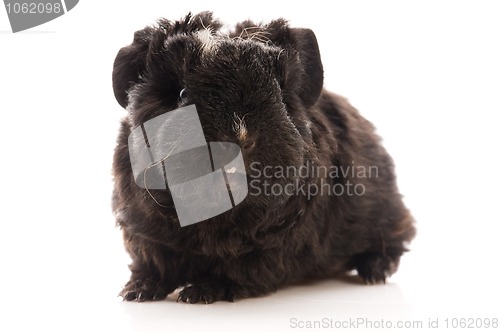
x,y
251,86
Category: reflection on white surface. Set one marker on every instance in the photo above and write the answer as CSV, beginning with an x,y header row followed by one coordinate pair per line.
x,y
333,299
427,76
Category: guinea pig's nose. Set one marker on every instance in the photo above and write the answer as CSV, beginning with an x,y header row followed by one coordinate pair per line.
x,y
248,144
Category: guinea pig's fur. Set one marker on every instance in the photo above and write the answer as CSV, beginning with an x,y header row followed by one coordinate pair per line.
x,y
260,86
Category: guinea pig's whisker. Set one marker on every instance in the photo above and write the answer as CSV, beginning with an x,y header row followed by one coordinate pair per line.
x,y
239,127
279,54
209,28
258,35
161,162
244,31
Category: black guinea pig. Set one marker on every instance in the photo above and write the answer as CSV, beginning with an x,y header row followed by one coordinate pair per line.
x,y
322,197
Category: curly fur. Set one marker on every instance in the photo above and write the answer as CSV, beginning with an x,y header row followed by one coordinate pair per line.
x,y
269,79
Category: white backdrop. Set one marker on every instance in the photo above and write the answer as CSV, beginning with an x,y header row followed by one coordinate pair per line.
x,y
426,73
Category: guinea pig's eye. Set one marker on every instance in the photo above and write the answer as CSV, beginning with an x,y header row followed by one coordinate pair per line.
x,y
183,94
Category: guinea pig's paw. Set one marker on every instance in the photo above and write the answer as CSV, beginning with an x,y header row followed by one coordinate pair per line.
x,y
143,290
376,268
204,293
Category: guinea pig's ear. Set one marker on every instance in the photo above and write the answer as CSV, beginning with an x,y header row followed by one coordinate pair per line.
x,y
134,60
308,50
304,70
129,63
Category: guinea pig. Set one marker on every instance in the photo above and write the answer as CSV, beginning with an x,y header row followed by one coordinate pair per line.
x,y
322,200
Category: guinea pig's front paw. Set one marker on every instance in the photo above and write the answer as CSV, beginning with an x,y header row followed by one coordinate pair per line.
x,y
204,293
143,290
